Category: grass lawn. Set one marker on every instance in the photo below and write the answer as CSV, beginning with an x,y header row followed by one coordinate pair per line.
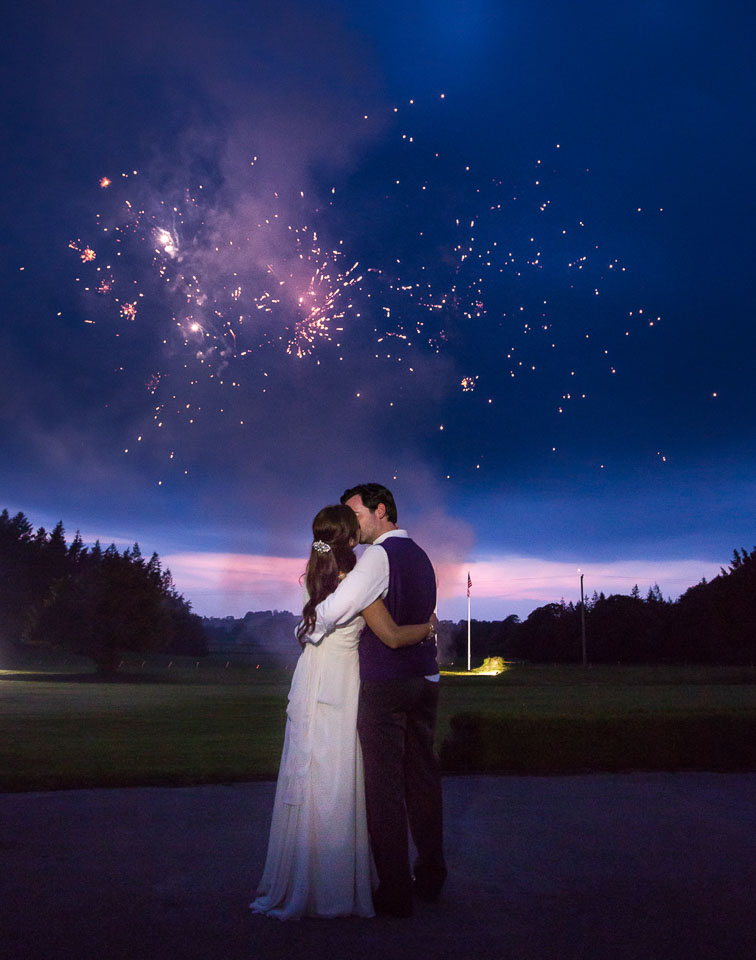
x,y
536,719
539,690
62,727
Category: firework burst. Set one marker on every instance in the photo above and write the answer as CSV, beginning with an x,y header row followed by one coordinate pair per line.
x,y
503,282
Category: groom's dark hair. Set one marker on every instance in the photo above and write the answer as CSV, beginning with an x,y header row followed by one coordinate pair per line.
x,y
372,494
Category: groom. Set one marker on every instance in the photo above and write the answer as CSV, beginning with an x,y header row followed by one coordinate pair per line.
x,y
398,701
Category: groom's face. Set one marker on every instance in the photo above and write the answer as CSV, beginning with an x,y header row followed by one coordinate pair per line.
x,y
370,525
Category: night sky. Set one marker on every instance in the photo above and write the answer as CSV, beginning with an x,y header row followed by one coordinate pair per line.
x,y
496,255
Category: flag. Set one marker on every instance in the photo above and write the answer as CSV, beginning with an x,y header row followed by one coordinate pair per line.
x,y
469,583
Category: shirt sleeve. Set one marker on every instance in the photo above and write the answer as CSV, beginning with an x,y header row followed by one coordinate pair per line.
x,y
368,581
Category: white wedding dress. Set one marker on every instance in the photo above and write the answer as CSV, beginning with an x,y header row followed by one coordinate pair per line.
x,y
318,862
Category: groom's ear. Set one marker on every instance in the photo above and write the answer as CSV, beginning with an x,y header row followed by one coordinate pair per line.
x,y
380,511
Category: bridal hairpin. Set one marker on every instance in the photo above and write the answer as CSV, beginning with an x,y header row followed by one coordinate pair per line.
x,y
320,546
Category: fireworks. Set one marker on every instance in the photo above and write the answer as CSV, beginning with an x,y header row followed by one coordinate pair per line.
x,y
321,309
500,283
166,242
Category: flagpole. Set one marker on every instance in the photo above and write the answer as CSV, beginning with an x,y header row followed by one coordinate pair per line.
x,y
468,622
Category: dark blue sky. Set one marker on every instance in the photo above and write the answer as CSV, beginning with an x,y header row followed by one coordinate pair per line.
x,y
550,209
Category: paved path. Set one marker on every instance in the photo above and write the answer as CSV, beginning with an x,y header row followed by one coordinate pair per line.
x,y
634,867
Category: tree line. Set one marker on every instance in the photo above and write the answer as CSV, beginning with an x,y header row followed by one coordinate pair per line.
x,y
101,604
712,622
93,602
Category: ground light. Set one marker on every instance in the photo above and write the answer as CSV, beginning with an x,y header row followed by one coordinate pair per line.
x,y
491,667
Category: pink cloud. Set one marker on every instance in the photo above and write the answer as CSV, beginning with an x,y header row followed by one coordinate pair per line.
x,y
511,584
230,584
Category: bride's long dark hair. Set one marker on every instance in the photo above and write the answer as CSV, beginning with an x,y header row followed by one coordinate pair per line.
x,y
337,528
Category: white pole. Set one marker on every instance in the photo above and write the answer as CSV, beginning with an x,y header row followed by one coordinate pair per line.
x,y
468,626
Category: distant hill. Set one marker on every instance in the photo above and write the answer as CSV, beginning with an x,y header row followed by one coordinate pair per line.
x,y
263,635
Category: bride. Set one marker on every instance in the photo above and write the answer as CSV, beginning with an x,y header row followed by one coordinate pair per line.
x,y
318,862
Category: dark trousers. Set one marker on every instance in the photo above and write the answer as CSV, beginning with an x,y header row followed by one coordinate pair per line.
x,y
396,721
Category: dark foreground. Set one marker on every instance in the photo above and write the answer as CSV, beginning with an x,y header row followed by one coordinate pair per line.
x,y
604,867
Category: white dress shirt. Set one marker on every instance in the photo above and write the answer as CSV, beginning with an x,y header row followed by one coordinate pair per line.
x,y
365,583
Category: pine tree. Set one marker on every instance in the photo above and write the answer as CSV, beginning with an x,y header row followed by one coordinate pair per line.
x,y
77,551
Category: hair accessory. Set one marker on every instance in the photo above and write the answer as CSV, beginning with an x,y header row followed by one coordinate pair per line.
x,y
320,546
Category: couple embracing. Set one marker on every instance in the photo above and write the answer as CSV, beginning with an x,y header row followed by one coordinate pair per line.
x,y
358,763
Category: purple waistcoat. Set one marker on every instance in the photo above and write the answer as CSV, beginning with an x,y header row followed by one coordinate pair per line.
x,y
411,598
